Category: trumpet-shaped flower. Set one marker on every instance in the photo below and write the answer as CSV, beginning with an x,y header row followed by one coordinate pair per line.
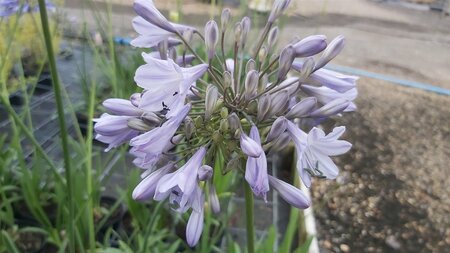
x,y
166,84
150,145
256,169
181,186
147,187
314,150
325,95
113,130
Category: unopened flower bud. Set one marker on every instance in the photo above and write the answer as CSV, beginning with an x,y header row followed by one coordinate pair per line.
x,y
225,19
223,126
263,82
151,118
152,15
264,103
281,142
211,37
273,57
278,7
331,108
212,95
237,32
251,65
302,108
173,54
135,99
188,34
250,147
280,101
246,24
198,122
227,79
224,113
138,124
251,84
216,136
176,139
189,127
162,49
205,172
307,68
233,164
333,49
262,54
234,121
285,61
272,38
278,127
213,198
310,46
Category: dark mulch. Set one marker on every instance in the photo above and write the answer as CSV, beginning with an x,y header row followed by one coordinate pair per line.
x,y
393,191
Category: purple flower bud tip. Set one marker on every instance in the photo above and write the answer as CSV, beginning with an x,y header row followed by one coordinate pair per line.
x,y
278,127
290,193
250,147
211,37
310,46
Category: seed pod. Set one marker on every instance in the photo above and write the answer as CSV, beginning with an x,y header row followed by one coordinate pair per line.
x,y
333,49
225,19
285,62
211,37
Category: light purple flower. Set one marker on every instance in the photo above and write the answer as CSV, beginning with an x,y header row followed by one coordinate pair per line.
x,y
122,107
113,130
334,107
166,84
181,186
147,187
331,79
302,108
147,10
290,193
325,95
313,151
12,7
150,145
279,6
333,49
256,169
151,35
211,38
278,127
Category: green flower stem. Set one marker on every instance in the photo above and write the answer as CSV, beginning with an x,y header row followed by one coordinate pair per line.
x,y
249,218
62,123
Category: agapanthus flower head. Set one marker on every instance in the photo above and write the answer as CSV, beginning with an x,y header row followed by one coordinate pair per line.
x,y
198,108
13,7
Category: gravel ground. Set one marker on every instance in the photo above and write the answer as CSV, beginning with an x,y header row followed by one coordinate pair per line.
x,y
392,194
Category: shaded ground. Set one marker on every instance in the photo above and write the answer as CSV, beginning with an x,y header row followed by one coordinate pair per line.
x,y
392,194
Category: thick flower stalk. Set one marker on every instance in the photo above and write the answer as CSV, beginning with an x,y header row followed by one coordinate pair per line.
x,y
192,106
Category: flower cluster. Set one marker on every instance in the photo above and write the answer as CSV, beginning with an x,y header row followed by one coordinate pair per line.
x,y
12,7
246,106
